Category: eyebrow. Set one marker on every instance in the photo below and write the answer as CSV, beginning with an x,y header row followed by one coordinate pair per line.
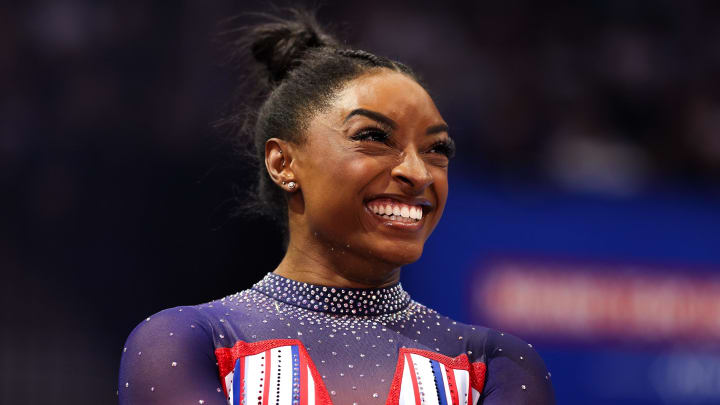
x,y
374,115
436,129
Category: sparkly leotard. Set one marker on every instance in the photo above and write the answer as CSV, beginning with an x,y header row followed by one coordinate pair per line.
x,y
287,342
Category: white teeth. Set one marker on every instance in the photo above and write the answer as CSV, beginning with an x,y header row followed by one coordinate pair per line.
x,y
397,212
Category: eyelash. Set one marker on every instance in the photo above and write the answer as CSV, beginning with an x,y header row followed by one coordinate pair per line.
x,y
445,147
369,133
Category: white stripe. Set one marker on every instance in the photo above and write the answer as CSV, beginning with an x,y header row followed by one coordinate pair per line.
x,y
426,379
446,385
311,387
475,395
253,366
244,382
281,356
407,395
228,386
462,382
271,378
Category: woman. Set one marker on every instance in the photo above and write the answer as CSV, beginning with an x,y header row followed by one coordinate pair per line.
x,y
356,157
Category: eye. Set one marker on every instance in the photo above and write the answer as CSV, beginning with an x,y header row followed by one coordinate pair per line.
x,y
445,147
371,134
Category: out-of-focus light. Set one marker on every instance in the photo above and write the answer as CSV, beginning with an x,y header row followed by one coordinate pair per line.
x,y
591,302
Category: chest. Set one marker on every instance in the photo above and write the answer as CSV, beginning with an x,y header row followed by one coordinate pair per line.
x,y
287,371
283,354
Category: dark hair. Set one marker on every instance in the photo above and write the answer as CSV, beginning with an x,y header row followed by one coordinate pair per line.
x,y
301,68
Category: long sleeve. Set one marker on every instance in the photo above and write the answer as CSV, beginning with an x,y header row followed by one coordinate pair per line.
x,y
169,359
515,373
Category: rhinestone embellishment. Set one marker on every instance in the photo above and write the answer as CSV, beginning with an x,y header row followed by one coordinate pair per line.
x,y
352,301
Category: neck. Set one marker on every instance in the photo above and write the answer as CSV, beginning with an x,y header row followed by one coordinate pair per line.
x,y
337,266
334,300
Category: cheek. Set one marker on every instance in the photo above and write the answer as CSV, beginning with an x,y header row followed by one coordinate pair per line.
x,y
440,187
349,173
336,188
363,169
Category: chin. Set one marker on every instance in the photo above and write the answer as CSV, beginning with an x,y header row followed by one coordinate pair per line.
x,y
399,254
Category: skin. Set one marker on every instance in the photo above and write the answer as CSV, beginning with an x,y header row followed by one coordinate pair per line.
x,y
334,239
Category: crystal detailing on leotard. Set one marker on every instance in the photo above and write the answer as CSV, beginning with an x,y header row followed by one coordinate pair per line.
x,y
352,301
176,356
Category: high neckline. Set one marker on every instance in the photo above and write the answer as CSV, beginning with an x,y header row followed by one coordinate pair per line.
x,y
335,300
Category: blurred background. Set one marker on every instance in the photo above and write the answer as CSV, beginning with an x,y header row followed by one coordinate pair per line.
x,y
584,212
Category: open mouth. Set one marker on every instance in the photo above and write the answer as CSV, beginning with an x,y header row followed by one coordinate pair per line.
x,y
392,210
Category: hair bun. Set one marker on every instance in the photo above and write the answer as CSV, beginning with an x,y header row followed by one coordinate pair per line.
x,y
280,44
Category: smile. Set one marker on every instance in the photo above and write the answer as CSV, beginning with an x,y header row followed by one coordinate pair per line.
x,y
395,213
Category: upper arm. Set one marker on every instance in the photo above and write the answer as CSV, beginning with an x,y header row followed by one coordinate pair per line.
x,y
515,373
169,358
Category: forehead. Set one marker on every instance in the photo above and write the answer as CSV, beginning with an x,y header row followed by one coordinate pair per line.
x,y
393,94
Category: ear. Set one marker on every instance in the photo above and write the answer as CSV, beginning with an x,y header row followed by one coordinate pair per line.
x,y
278,161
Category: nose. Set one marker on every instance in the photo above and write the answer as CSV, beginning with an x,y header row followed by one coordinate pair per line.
x,y
412,173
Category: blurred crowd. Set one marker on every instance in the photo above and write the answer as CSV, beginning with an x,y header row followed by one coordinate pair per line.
x,y
606,95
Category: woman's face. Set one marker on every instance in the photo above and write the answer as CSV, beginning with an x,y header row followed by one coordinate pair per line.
x,y
373,170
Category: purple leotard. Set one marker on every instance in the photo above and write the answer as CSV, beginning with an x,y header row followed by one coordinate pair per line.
x,y
287,342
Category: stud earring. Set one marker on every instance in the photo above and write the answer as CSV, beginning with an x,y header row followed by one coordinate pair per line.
x,y
291,185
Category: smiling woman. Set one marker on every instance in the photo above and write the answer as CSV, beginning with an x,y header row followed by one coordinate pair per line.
x,y
355,168
384,145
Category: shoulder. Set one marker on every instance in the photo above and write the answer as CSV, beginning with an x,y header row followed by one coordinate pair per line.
x,y
456,337
179,322
171,347
171,330
515,371
489,345
184,324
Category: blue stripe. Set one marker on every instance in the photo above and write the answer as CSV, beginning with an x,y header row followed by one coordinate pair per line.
x,y
296,375
439,382
236,382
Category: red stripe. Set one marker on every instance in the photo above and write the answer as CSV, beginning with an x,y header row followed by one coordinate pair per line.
x,y
477,375
266,390
469,388
453,387
304,382
226,357
416,389
321,394
242,379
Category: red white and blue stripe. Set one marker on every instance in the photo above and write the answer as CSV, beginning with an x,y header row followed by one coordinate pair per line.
x,y
269,372
281,372
424,378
